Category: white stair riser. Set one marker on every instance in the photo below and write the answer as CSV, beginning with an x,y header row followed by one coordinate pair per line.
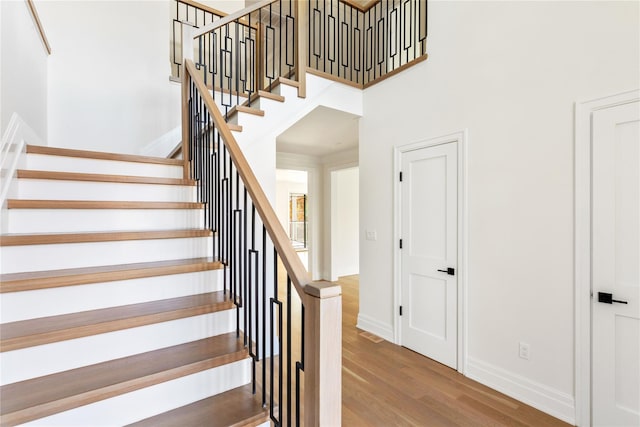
x,y
74,255
45,189
69,299
110,167
87,220
141,404
265,104
287,91
33,362
249,121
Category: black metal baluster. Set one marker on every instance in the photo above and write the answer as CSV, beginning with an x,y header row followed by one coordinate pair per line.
x,y
252,289
264,316
274,300
218,254
256,282
234,70
300,366
224,238
247,70
324,39
337,39
270,30
280,40
288,338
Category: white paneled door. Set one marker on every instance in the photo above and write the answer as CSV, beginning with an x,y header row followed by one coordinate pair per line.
x,y
429,228
616,266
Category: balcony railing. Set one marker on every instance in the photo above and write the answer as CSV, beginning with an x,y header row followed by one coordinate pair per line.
x,y
187,12
363,47
332,38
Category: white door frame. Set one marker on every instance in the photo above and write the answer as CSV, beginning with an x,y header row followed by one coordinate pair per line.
x,y
461,138
582,235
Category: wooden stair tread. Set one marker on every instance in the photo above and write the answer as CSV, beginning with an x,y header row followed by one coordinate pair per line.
x,y
288,82
99,155
16,282
124,179
39,397
236,407
272,96
235,127
249,110
103,236
97,204
32,332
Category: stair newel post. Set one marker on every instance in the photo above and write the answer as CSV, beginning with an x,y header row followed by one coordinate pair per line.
x,y
187,54
323,354
302,43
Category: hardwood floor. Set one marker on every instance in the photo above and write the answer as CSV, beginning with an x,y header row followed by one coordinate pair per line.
x,y
387,385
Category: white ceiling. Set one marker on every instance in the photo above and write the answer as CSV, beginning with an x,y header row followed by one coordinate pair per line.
x,y
322,132
299,177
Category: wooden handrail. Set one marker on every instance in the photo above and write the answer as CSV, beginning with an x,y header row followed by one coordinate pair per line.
x,y
231,17
36,18
290,259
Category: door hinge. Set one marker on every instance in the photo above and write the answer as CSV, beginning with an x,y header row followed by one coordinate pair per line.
x,y
400,243
400,176
400,310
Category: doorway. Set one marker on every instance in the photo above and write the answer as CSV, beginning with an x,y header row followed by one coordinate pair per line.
x,y
608,261
430,266
292,209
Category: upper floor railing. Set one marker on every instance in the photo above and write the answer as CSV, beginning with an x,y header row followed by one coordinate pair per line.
x,y
284,38
363,47
249,51
187,12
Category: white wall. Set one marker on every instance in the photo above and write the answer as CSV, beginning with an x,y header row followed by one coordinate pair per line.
x,y
509,72
345,230
23,69
109,83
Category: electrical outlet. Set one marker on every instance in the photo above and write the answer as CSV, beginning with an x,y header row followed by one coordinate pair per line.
x,y
372,235
524,351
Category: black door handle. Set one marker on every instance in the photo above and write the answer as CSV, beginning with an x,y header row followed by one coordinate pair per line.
x,y
450,271
608,298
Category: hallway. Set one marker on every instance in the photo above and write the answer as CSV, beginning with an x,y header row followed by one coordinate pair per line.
x,y
387,385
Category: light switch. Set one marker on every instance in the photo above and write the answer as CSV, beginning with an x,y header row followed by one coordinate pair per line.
x,y
372,235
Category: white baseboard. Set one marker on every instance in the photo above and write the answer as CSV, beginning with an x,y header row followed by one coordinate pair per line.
x,y
556,403
376,327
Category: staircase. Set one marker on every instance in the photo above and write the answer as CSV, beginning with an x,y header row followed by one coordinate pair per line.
x,y
113,309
